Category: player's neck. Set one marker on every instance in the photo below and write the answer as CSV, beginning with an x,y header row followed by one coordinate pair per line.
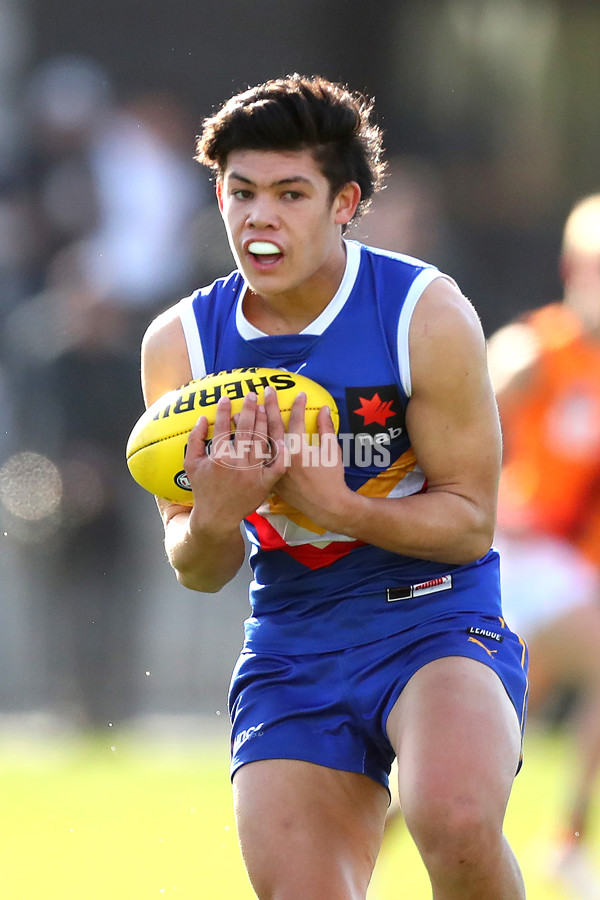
x,y
290,311
586,308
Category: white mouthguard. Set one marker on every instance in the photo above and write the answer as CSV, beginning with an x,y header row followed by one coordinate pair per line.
x,y
263,247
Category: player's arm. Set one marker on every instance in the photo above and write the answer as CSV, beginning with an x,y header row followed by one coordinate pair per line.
x,y
452,420
453,425
204,542
202,559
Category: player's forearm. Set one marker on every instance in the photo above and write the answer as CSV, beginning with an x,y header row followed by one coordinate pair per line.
x,y
438,525
204,558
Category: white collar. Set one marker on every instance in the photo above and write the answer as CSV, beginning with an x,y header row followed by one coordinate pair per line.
x,y
325,318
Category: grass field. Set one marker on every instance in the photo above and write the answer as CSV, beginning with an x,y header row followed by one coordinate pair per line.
x,y
120,818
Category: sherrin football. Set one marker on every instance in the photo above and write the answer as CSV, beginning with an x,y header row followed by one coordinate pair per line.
x,y
156,446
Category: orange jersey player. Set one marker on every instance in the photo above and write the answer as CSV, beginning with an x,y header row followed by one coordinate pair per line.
x,y
546,371
551,421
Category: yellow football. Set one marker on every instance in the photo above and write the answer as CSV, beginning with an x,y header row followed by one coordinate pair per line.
x,y
156,446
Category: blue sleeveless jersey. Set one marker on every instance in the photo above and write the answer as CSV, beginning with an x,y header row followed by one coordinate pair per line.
x,y
315,591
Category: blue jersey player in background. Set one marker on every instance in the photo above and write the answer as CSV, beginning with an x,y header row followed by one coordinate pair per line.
x,y
376,625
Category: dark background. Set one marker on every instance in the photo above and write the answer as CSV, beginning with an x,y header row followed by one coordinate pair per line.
x,y
503,97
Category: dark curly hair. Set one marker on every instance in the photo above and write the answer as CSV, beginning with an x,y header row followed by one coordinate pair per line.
x,y
298,113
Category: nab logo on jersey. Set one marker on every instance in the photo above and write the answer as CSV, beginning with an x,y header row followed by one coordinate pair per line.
x,y
375,412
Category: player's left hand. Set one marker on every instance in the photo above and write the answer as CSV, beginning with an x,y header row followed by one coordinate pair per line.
x,y
313,482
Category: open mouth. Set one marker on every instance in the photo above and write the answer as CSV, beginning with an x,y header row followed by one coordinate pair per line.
x,y
264,252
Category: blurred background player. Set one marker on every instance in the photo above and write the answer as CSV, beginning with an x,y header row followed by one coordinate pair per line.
x,y
546,371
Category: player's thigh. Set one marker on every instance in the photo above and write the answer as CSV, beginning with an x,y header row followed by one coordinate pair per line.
x,y
309,826
458,740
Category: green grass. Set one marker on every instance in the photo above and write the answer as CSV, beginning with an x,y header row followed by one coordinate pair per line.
x,y
83,821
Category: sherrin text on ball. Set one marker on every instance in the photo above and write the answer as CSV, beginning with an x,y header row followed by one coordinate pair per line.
x,y
156,446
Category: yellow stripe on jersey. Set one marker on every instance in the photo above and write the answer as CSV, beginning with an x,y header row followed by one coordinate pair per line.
x,y
383,484
278,507
524,653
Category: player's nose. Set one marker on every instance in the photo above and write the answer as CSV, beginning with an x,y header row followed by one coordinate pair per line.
x,y
262,213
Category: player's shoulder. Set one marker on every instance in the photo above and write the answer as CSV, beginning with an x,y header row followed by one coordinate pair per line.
x,y
517,349
168,323
555,325
551,326
391,261
165,327
392,256
440,313
165,361
446,339
399,278
226,286
445,314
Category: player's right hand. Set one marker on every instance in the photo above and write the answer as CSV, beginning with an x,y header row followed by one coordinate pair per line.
x,y
237,473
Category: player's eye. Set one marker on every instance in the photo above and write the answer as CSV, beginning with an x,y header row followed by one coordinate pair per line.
x,y
241,193
293,195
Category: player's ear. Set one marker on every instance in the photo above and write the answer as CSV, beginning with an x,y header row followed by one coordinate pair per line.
x,y
219,191
346,202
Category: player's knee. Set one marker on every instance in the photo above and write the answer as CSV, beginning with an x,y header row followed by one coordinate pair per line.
x,y
336,870
457,838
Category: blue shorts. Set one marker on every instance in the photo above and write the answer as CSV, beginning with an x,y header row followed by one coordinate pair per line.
x,y
332,708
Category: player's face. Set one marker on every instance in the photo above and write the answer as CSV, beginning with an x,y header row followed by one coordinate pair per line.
x,y
283,226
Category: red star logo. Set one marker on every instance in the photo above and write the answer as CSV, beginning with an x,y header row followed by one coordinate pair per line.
x,y
375,410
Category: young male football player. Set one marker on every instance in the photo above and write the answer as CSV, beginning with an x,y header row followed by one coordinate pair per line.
x,y
376,627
